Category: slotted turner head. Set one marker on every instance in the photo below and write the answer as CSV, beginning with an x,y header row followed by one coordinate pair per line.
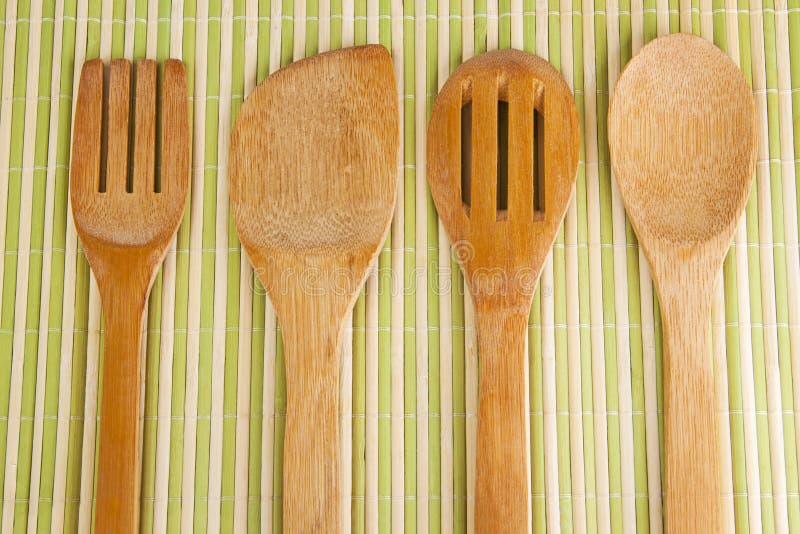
x,y
116,206
501,238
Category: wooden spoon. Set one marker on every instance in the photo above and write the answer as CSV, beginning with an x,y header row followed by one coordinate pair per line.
x,y
313,183
126,224
682,134
502,211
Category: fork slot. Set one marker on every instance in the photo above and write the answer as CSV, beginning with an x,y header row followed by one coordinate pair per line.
x,y
119,94
104,97
503,158
144,151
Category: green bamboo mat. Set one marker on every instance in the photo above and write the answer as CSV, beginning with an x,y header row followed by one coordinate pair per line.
x,y
214,373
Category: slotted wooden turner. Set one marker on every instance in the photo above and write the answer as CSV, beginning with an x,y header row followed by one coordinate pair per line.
x,y
125,225
313,185
502,238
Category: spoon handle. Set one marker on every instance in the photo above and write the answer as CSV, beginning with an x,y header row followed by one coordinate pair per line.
x,y
502,451
690,426
312,329
119,462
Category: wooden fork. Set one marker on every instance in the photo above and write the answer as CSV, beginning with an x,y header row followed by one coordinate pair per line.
x,y
126,220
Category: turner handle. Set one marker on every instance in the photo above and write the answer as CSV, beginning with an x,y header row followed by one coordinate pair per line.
x,y
311,477
692,499
119,461
503,488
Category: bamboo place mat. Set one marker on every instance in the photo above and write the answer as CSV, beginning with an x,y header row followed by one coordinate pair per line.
x,y
214,373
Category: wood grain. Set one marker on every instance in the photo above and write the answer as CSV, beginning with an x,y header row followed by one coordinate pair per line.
x,y
502,251
125,227
683,138
313,185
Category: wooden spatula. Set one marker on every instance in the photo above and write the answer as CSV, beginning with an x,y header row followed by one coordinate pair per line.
x,y
503,145
683,138
313,183
125,222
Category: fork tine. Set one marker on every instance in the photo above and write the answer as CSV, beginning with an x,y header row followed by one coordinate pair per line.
x,y
144,150
175,140
86,139
119,95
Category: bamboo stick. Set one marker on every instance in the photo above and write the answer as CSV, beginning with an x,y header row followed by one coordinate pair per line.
x,y
47,260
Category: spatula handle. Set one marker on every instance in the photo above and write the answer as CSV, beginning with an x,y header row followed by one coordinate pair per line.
x,y
119,462
502,503
692,498
311,480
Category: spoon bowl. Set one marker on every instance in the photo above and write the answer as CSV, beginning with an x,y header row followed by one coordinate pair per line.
x,y
682,130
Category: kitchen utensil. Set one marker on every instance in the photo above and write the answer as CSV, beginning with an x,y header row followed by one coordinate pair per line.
x,y
683,139
313,182
503,145
126,220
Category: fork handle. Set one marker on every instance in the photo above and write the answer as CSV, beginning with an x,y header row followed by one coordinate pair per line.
x,y
501,499
119,473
